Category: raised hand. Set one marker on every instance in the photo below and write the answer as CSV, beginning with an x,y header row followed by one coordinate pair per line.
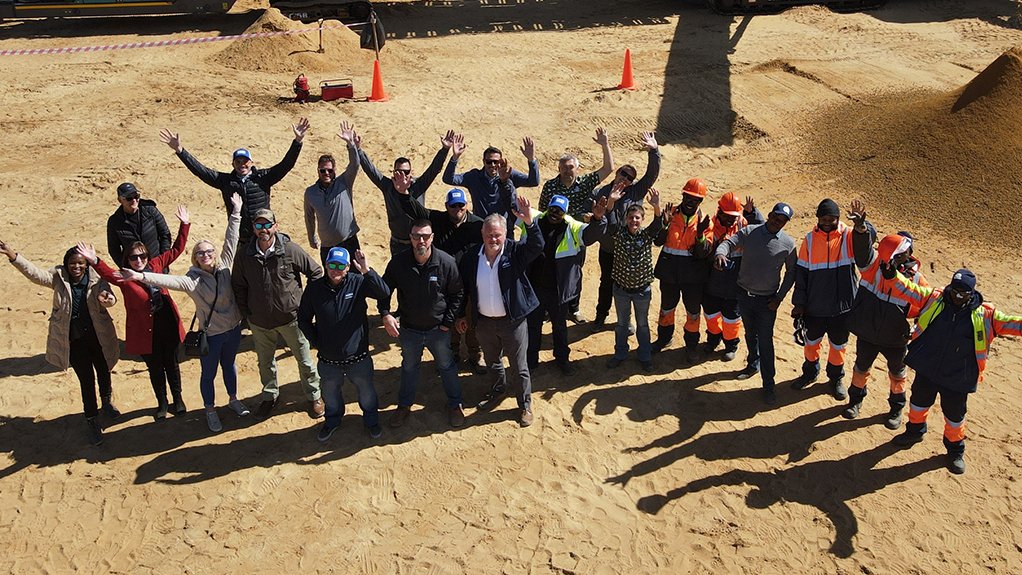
x,y
857,214
600,207
528,148
504,170
401,181
524,211
648,140
88,252
236,203
347,133
301,128
616,191
750,205
601,137
653,197
458,145
447,140
172,139
182,214
8,251
360,262
703,225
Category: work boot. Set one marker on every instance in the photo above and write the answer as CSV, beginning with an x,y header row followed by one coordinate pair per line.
x,y
693,354
897,403
95,431
179,404
912,435
730,350
109,410
955,456
836,377
161,409
855,397
810,371
712,341
664,334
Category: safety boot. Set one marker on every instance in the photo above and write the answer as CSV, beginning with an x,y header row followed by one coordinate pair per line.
x,y
664,334
955,456
912,435
897,402
730,350
855,397
712,341
810,371
836,377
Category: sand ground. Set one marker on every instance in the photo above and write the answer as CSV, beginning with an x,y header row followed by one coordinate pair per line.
x,y
682,471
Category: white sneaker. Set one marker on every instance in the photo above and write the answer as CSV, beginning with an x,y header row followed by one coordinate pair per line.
x,y
213,421
238,407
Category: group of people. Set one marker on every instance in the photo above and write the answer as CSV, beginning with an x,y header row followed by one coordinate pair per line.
x,y
493,273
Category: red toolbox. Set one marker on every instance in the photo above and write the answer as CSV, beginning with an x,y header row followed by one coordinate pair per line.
x,y
337,89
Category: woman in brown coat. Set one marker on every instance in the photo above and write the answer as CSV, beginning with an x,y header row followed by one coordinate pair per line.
x,y
81,333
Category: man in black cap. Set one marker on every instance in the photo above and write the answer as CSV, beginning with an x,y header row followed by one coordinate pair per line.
x,y
948,352
137,220
826,281
765,249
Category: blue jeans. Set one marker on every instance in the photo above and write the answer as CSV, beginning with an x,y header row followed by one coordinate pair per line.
x,y
624,301
361,374
759,333
438,342
223,349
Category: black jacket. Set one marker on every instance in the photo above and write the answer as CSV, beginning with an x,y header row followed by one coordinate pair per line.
x,y
398,220
446,236
147,225
632,194
254,190
334,319
515,289
427,295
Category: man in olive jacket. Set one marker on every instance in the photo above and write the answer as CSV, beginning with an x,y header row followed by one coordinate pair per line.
x,y
268,288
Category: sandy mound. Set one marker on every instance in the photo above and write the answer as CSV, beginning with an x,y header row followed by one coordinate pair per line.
x,y
296,52
949,159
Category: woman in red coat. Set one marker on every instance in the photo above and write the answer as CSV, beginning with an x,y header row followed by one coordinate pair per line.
x,y
153,328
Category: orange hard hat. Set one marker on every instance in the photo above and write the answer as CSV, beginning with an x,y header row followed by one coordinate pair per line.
x,y
695,187
730,204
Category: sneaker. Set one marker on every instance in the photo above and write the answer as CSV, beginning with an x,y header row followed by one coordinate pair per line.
x,y
317,408
631,329
803,382
577,317
400,416
647,366
770,396
213,422
729,355
491,400
95,431
840,391
455,416
567,369
613,362
956,463
852,411
375,432
526,418
326,431
907,438
746,373
110,411
238,407
893,420
264,409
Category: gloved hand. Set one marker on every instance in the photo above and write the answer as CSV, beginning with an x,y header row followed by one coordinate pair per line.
x,y
888,271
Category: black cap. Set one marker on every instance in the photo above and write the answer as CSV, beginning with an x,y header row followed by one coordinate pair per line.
x,y
828,207
127,190
964,280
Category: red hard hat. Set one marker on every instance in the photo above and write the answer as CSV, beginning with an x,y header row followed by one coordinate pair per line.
x,y
695,187
730,204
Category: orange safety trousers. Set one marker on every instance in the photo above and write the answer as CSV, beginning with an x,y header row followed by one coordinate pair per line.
x,y
953,430
836,355
860,379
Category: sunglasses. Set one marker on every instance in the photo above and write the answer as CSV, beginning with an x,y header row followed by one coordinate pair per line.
x,y
627,176
491,162
137,257
405,172
131,198
420,236
204,253
336,266
326,170
265,226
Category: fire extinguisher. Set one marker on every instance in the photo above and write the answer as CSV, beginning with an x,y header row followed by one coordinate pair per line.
x,y
301,88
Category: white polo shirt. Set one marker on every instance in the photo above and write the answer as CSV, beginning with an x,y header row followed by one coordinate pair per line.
x,y
488,285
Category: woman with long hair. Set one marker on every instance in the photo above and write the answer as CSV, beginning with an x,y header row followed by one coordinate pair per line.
x,y
208,282
81,333
153,327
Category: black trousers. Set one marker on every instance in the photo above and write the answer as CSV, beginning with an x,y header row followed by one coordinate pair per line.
x,y
549,302
866,353
89,364
605,295
162,362
954,404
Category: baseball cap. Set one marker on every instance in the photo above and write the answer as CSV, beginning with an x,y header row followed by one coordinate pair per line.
x,y
338,256
242,153
783,209
127,190
964,280
266,214
559,202
730,204
455,196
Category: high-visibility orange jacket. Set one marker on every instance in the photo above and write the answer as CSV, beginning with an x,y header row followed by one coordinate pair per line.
x,y
879,313
825,277
686,254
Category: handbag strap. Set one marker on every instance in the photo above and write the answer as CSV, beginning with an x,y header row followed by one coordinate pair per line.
x,y
212,308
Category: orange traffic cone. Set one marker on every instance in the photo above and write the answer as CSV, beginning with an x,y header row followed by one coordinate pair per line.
x,y
627,81
378,94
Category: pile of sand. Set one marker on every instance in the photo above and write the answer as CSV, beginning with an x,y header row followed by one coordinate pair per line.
x,y
951,161
296,52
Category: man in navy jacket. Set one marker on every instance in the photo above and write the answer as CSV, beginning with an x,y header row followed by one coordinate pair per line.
x,y
494,276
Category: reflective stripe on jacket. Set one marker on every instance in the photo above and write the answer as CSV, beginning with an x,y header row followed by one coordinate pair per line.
x,y
685,257
825,276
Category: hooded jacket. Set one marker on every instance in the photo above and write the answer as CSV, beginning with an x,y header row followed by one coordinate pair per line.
x,y
151,229
268,287
825,276
880,312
